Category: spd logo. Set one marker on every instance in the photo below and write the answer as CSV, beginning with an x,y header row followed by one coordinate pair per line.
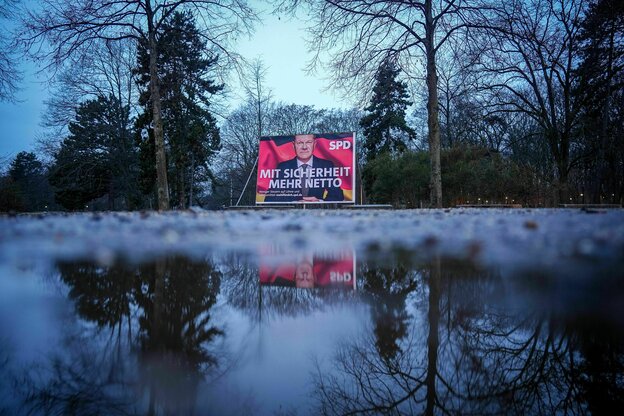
x,y
339,144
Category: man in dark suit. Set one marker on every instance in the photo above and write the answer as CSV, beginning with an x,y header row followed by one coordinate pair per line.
x,y
303,166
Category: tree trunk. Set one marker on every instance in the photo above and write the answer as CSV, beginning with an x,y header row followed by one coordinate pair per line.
x,y
191,180
562,182
601,162
155,341
161,159
111,196
433,341
181,187
433,118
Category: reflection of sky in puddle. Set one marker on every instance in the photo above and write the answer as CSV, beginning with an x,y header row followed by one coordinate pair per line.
x,y
30,310
216,334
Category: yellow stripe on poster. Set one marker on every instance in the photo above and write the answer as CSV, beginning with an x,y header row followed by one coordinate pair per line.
x,y
348,196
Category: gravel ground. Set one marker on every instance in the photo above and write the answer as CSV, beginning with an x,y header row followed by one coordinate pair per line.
x,y
520,238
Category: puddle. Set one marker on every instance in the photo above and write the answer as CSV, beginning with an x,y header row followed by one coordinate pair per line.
x,y
312,331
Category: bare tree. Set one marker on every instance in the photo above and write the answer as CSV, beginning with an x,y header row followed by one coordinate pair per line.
x,y
529,53
601,73
238,153
257,93
106,70
102,71
358,35
9,76
289,119
340,120
241,134
457,86
73,27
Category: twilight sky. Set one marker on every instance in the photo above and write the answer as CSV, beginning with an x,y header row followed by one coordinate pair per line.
x,y
279,42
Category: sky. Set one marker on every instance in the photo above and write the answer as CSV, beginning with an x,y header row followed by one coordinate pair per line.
x,y
279,42
19,121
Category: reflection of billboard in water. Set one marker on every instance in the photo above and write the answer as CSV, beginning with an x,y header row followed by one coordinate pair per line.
x,y
306,168
310,270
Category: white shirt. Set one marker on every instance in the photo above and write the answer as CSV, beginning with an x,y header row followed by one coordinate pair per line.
x,y
310,162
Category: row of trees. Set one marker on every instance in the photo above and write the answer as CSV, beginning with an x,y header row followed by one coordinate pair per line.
x,y
92,169
480,164
103,105
521,76
64,35
110,140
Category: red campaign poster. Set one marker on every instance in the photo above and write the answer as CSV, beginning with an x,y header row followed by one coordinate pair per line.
x,y
306,168
309,271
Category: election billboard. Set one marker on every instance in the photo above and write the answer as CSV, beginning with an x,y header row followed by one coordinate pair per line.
x,y
309,270
306,168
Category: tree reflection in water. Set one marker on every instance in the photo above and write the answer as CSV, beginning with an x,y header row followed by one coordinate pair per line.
x,y
167,305
386,289
176,296
464,348
5,358
440,338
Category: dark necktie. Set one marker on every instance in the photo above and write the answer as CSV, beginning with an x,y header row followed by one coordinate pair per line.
x,y
304,177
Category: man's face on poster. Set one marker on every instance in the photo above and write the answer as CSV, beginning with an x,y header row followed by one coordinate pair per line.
x,y
304,146
304,275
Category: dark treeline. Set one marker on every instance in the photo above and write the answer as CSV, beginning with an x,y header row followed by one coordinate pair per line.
x,y
530,102
526,106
